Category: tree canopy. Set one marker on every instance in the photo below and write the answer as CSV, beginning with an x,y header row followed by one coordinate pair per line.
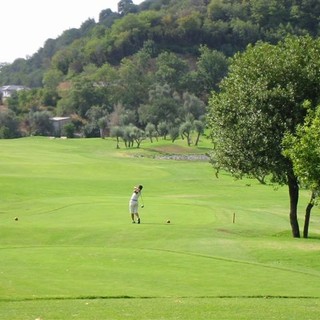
x,y
177,26
261,100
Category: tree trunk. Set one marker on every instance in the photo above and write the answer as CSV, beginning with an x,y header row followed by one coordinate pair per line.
x,y
118,147
307,216
294,197
197,140
102,133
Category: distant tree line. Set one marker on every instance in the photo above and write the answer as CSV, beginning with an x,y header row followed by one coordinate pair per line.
x,y
146,65
176,26
143,91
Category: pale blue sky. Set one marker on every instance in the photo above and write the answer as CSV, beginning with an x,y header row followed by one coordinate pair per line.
x,y
26,24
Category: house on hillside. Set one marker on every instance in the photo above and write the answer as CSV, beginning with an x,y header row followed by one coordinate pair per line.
x,y
7,91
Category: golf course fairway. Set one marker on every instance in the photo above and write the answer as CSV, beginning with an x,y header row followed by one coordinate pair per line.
x,y
68,249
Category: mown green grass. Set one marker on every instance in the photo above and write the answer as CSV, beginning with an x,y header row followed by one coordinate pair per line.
x,y
73,253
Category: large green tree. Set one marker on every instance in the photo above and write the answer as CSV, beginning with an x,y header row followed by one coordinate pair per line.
x,y
303,149
163,105
171,70
9,125
261,99
40,124
134,80
211,68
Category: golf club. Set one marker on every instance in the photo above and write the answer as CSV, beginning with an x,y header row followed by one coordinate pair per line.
x,y
142,202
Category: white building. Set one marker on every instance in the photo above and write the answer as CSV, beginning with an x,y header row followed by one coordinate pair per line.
x,y
7,91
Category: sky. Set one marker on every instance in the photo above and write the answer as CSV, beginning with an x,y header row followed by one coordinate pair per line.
x,y
26,24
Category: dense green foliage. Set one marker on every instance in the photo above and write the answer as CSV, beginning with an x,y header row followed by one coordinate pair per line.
x,y
127,55
179,26
261,100
303,149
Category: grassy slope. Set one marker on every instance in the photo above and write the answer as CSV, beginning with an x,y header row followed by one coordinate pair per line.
x,y
74,240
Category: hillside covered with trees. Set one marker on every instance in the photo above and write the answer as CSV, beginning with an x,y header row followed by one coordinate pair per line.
x,y
145,70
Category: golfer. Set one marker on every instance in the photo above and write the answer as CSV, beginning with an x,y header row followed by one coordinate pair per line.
x,y
134,204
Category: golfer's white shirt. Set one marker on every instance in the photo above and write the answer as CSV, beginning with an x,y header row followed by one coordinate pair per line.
x,y
135,197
